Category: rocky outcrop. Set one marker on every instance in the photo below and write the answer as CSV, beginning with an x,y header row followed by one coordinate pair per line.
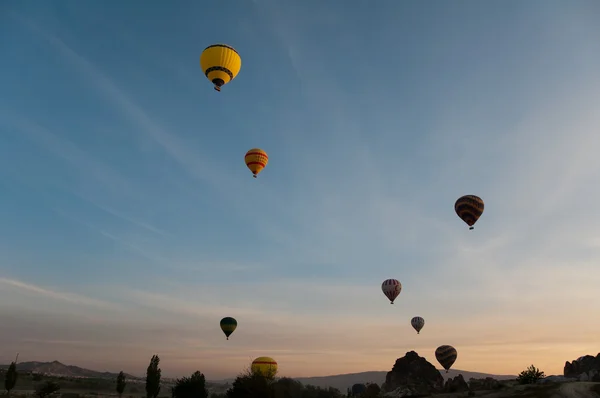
x,y
591,375
486,384
412,376
583,364
456,384
555,379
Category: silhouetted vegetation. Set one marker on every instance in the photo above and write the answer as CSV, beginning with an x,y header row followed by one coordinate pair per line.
x,y
45,389
252,385
153,374
10,378
121,383
190,387
530,375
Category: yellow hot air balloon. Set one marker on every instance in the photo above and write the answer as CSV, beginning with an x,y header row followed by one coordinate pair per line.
x,y
256,159
265,366
220,63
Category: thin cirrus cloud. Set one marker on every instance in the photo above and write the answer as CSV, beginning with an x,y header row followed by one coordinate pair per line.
x,y
354,200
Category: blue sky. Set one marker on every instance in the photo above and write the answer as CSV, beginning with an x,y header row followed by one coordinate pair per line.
x,y
129,224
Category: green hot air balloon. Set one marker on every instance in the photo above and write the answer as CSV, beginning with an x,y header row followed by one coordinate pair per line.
x,y
228,325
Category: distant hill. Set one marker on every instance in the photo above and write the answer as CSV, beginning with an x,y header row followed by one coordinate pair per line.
x,y
341,382
56,368
344,381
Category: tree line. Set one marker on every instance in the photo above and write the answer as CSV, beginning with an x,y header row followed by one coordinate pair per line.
x,y
248,384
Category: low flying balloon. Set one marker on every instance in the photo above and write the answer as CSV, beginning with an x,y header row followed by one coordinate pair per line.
x,y
256,159
417,323
228,325
265,366
220,64
446,356
469,208
358,389
391,288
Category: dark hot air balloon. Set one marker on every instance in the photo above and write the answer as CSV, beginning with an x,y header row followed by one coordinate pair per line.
x,y
417,323
391,288
469,208
358,389
228,325
446,356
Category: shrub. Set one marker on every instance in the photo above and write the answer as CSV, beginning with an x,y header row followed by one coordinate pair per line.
x,y
530,375
45,389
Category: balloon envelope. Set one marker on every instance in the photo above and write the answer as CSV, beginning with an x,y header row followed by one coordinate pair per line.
x,y
265,366
417,323
469,208
220,64
391,288
228,325
358,389
256,159
446,355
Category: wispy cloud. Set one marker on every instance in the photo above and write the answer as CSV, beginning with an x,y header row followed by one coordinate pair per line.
x,y
56,295
124,242
68,151
172,145
122,216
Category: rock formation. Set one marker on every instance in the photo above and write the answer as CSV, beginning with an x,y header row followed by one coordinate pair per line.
x,y
456,384
584,364
488,383
413,376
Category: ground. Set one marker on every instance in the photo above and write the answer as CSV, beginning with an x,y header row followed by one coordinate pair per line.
x,y
549,390
100,388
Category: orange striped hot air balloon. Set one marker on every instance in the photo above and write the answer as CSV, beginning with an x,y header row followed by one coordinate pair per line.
x,y
256,159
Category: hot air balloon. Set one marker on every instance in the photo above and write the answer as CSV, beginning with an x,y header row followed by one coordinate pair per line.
x,y
417,323
446,356
391,288
228,325
469,208
256,159
358,389
220,63
265,366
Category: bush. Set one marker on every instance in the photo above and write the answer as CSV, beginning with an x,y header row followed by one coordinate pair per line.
x,y
190,387
45,389
530,375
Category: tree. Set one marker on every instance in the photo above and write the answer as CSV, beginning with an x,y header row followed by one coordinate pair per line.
x,y
45,389
121,383
318,392
250,385
190,387
10,379
153,378
530,375
287,388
